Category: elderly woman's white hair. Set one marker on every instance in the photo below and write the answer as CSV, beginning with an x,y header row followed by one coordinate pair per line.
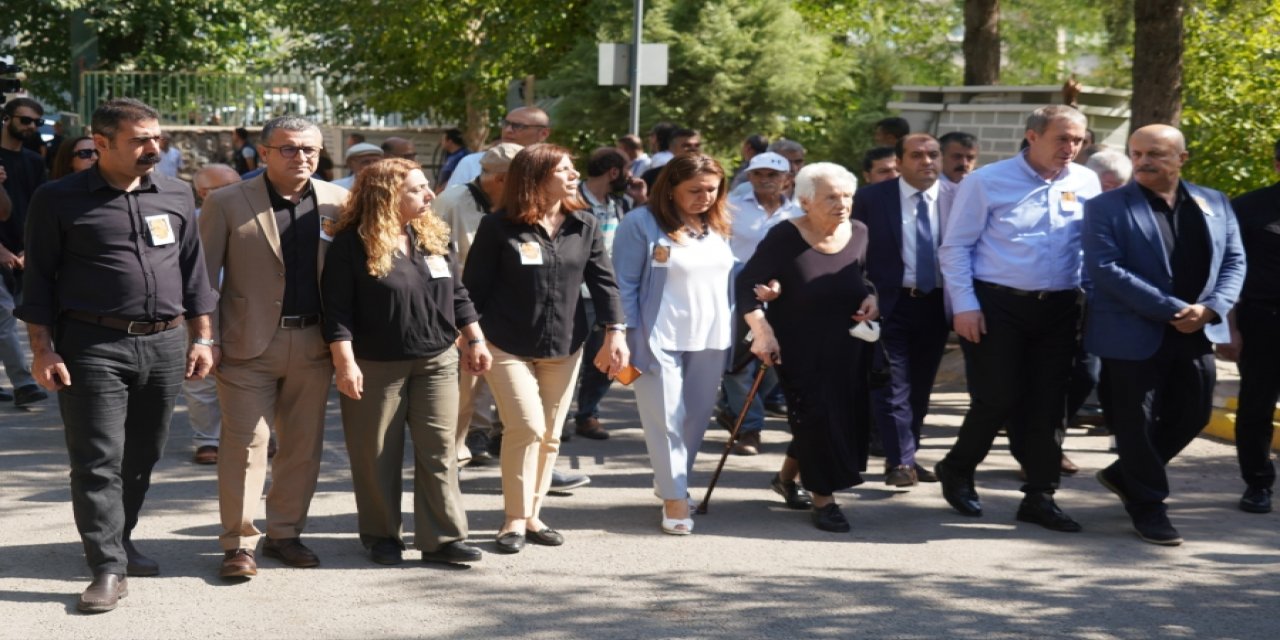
x,y
829,172
1113,162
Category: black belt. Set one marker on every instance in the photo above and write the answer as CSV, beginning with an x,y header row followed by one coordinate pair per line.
x,y
1266,305
912,292
1038,295
299,322
131,327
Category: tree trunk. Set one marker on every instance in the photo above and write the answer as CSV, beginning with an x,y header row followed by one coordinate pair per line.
x,y
981,42
476,129
1157,62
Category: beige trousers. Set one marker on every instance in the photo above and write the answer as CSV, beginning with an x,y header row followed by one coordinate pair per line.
x,y
533,396
285,389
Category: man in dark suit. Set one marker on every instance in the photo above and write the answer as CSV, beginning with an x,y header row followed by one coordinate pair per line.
x,y
1167,266
905,217
1255,341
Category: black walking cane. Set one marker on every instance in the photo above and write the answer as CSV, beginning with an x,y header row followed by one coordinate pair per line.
x,y
733,437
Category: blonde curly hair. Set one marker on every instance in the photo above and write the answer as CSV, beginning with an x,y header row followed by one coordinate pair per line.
x,y
373,208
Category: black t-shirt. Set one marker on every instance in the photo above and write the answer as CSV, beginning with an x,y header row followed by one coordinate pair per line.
x,y
25,172
1259,216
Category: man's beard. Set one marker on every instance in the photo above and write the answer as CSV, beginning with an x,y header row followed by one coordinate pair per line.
x,y
618,184
19,134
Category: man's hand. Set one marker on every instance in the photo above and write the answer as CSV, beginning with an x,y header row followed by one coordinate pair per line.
x,y
1193,318
350,380
199,361
970,325
478,359
768,292
50,371
638,190
3,176
9,259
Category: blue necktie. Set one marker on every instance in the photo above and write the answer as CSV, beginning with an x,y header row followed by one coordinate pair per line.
x,y
926,260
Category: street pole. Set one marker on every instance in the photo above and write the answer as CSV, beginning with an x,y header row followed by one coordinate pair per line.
x,y
637,32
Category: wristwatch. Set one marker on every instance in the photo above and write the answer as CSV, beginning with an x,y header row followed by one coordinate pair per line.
x,y
205,342
616,327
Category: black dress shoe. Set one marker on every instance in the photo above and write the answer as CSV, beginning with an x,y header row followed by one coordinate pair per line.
x,y
1112,482
103,594
923,474
830,518
139,565
454,552
386,551
958,491
1039,508
1256,500
1156,529
796,497
546,537
29,394
510,542
290,551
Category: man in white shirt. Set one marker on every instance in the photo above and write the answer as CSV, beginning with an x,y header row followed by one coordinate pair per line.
x,y
524,126
358,156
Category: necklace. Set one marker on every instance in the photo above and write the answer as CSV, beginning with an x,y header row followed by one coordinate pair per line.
x,y
694,234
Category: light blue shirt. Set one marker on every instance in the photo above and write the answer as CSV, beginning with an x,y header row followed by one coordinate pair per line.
x,y
907,202
750,221
1009,226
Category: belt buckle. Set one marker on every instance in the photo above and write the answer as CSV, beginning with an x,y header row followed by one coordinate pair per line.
x,y
288,322
1042,295
150,327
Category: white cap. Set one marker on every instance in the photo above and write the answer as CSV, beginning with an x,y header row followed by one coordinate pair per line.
x,y
769,160
361,149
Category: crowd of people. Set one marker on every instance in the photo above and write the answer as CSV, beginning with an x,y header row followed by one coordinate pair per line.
x,y
464,318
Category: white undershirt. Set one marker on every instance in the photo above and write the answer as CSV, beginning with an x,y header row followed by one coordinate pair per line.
x,y
695,312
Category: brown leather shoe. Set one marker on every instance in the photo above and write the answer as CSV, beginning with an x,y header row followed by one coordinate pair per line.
x,y
901,476
238,563
590,428
748,444
1069,467
290,551
208,454
103,594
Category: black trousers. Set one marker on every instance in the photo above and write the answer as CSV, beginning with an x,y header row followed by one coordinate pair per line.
x,y
1018,376
1259,326
116,415
1159,406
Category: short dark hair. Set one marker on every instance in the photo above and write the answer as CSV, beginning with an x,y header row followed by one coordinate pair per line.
x,y
358,137
242,133
662,133
900,147
455,136
758,143
896,127
631,142
966,140
873,154
108,116
11,106
604,159
684,133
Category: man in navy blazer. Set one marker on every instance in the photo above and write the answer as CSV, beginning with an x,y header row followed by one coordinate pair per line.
x,y
1167,265
914,328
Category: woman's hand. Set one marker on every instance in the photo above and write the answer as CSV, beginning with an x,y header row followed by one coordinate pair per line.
x,y
613,356
478,359
768,292
869,310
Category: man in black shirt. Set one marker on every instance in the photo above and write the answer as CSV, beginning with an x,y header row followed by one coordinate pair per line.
x,y
1255,341
268,236
113,266
21,171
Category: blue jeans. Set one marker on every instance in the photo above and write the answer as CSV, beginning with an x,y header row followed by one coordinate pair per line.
x,y
736,386
11,353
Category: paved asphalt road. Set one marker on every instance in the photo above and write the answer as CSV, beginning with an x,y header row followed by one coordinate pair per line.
x,y
911,568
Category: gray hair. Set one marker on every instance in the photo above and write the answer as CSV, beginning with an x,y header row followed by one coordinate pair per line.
x,y
286,123
1039,119
1110,160
829,172
784,146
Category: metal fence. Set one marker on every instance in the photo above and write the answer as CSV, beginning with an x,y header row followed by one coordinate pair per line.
x,y
232,99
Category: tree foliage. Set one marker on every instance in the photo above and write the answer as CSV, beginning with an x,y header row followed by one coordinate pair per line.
x,y
1231,117
145,35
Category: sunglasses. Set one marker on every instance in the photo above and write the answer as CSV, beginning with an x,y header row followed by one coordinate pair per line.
x,y
86,154
291,152
27,121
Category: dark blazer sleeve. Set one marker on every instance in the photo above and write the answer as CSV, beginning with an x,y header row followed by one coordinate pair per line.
x,y
1107,244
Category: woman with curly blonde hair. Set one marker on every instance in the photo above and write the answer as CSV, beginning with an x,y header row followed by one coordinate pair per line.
x,y
394,306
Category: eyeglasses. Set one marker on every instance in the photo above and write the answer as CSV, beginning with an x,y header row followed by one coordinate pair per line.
x,y
26,121
86,154
520,126
291,152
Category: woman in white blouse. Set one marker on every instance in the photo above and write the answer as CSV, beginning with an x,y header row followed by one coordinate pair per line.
x,y
673,264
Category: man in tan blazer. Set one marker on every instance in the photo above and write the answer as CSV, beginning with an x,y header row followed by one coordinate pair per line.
x,y
267,237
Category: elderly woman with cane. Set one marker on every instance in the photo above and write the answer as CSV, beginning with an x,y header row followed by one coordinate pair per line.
x,y
818,259
674,262
393,306
526,268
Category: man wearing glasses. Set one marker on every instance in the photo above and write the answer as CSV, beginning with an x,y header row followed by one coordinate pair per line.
x,y
268,237
21,171
524,126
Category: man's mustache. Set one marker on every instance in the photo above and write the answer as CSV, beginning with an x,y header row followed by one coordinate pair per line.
x,y
149,159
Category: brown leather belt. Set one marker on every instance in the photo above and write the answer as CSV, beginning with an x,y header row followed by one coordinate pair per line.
x,y
131,327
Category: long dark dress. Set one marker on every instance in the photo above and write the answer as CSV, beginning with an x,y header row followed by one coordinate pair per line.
x,y
824,369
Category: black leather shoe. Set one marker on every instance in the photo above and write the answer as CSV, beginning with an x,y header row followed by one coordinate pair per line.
x,y
139,565
386,551
1039,508
796,497
1157,529
830,518
103,594
454,552
1112,483
510,542
290,551
923,474
958,491
29,394
1256,500
546,537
